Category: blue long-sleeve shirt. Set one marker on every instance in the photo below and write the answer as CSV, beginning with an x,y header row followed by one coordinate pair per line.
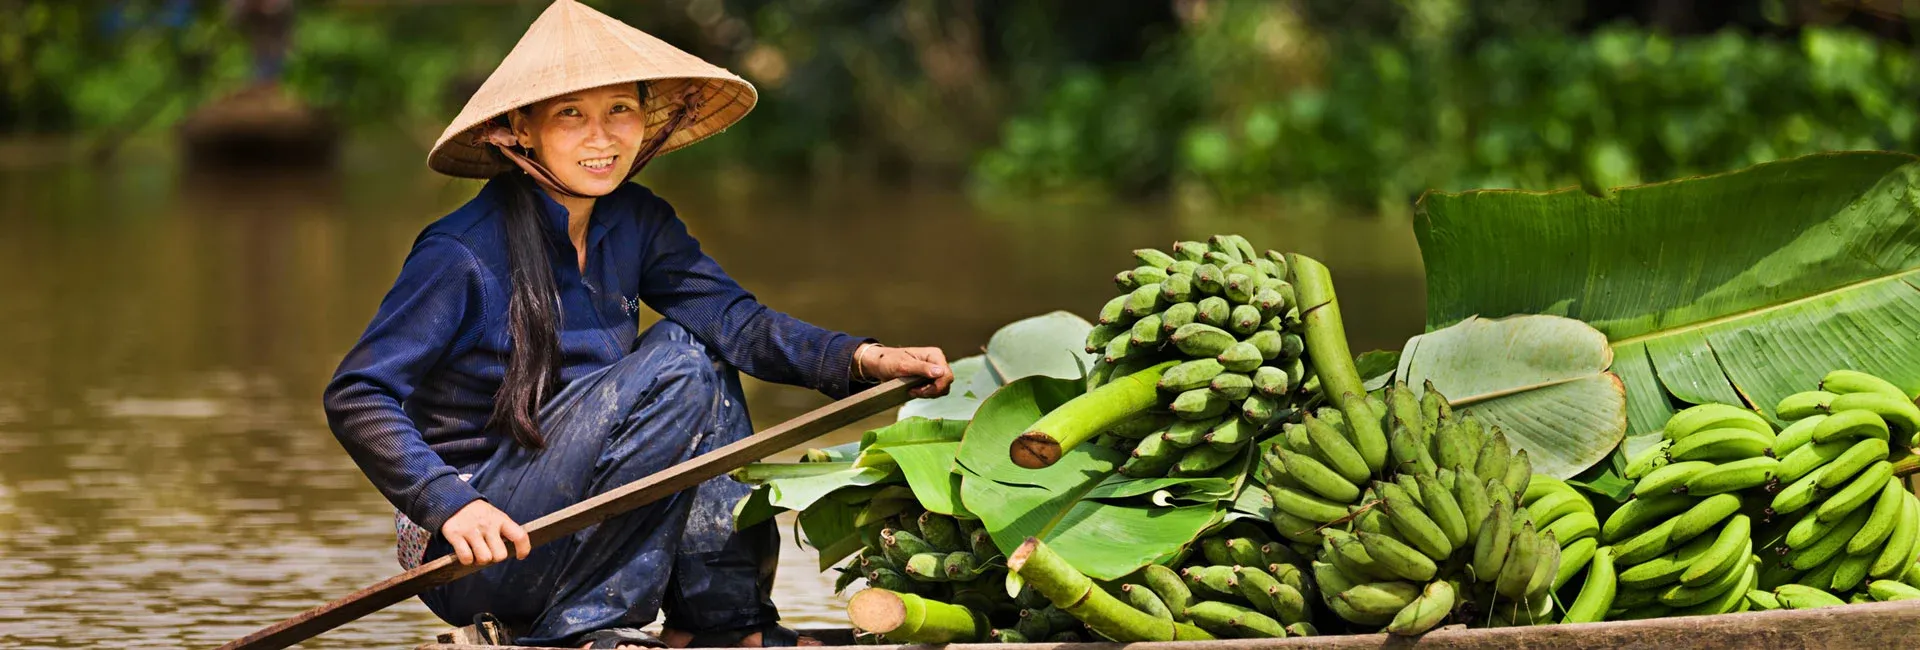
x,y
411,400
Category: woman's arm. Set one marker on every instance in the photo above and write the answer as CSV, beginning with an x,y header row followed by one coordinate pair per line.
x,y
684,284
433,309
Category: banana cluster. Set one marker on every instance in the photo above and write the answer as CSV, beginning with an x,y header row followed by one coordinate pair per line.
x,y
1413,515
1841,516
1229,313
1568,515
1240,585
953,560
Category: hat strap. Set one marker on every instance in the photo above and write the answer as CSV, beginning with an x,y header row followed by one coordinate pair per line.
x,y
504,141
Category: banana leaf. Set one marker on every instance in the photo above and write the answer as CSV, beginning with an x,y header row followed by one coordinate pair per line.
x,y
1070,505
924,451
1541,379
1740,288
1048,345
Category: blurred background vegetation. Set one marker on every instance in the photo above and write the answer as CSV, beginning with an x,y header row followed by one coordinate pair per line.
x,y
1362,102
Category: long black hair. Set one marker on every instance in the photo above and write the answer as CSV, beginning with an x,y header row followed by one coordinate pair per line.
x,y
532,317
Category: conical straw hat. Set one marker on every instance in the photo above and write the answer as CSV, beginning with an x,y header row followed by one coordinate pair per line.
x,y
571,47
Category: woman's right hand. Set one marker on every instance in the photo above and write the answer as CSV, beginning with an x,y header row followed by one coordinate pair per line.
x,y
477,532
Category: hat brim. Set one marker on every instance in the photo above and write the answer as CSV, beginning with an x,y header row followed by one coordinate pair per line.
x,y
724,101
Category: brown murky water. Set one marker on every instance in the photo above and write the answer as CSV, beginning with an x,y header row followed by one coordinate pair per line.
x,y
166,474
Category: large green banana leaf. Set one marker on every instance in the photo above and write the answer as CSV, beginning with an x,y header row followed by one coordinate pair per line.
x,y
1101,524
1048,345
1541,379
1742,287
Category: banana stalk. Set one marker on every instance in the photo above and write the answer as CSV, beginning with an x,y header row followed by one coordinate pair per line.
x,y
1078,420
1071,590
908,618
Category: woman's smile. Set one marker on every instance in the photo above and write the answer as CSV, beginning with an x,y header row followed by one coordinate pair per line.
x,y
600,165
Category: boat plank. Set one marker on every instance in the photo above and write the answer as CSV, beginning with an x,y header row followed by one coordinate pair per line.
x,y
1871,625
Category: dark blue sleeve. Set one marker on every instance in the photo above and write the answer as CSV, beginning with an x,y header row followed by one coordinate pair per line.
x,y
433,309
684,284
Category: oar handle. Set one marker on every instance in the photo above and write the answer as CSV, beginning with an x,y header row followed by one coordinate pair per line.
x,y
596,509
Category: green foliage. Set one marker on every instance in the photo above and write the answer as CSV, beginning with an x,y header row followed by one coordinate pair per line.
x,y
1250,99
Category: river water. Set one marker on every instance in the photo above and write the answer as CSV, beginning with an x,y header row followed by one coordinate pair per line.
x,y
166,474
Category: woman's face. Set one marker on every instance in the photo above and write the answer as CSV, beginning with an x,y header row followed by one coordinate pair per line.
x,y
588,139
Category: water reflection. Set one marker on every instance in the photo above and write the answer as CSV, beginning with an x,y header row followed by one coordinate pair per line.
x,y
166,476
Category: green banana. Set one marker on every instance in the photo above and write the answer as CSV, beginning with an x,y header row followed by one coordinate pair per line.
x,y
1146,332
1101,335
1191,250
1492,463
941,531
1803,404
1805,597
1704,417
1597,593
1183,266
1857,492
1240,287
1261,410
1519,472
1848,382
1418,529
1258,588
1211,582
1805,459
1550,508
1670,478
1333,446
1574,527
961,566
1798,494
1703,516
1397,557
1426,611
1145,299
1851,424
1213,311
1444,510
1733,544
1202,459
1471,494
1827,546
1172,591
1645,546
1730,601
1296,529
1187,433
1733,476
1650,459
1542,486
1199,339
1493,542
926,567
1898,412
1367,436
1174,288
1851,572
1544,570
1304,505
1143,599
1763,600
1668,567
1330,580
1152,458
1822,576
1380,598
1638,514
1231,433
1316,476
1850,462
1685,595
1890,590
1724,444
1270,381
1115,311
1573,558
1244,551
1896,557
1240,357
1795,435
1405,407
1152,257
1517,571
1882,520
1198,404
1409,451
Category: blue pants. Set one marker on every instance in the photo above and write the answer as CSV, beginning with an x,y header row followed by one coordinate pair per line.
x,y
667,401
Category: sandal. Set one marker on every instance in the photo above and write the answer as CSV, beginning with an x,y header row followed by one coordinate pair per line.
x,y
772,635
615,637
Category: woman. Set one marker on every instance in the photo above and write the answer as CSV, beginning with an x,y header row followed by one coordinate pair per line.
x,y
496,382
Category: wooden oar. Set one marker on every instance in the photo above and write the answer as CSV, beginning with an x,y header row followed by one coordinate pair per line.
x,y
572,519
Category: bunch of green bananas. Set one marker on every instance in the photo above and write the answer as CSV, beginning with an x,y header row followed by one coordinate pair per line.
x,y
1240,585
1568,515
1414,518
950,560
1228,313
1842,516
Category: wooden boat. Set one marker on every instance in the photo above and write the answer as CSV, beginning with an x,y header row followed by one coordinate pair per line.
x,y
1878,626
261,125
